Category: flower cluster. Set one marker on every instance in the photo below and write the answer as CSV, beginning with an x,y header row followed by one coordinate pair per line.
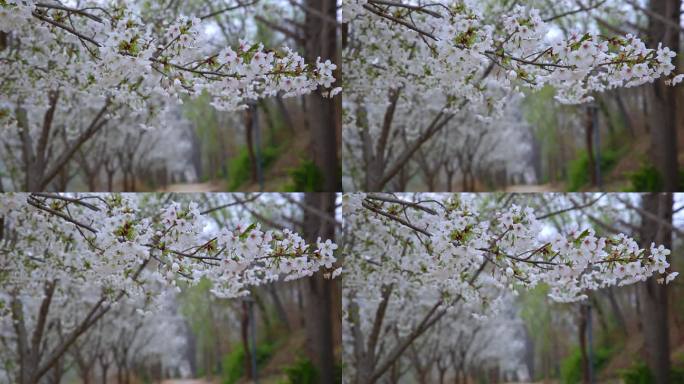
x,y
444,245
113,53
451,46
424,270
113,244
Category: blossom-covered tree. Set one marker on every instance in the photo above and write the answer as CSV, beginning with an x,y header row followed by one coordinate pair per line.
x,y
470,55
467,150
107,248
411,260
90,60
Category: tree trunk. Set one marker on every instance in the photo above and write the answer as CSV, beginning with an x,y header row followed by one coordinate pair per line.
x,y
323,114
244,323
582,330
250,144
617,312
280,310
653,296
663,107
119,374
320,290
589,140
104,369
450,181
110,179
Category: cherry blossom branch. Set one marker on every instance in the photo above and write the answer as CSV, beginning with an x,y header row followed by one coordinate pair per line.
x,y
656,16
61,7
66,28
313,210
651,216
397,20
379,211
420,8
75,200
416,205
231,204
574,207
581,9
34,202
228,9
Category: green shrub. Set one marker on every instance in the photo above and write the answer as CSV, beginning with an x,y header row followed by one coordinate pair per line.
x,y
571,366
640,373
646,179
579,172
637,374
677,375
306,177
240,168
302,371
233,365
234,362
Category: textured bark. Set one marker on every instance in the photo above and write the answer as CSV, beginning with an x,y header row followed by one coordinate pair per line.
x,y
653,296
319,295
663,106
324,116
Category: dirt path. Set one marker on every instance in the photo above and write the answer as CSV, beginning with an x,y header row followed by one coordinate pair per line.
x,y
211,186
533,188
186,381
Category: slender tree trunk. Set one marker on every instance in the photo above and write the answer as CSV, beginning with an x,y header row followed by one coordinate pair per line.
x,y
104,368
259,301
250,144
617,312
450,181
582,330
430,181
280,310
119,374
86,375
589,140
244,326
